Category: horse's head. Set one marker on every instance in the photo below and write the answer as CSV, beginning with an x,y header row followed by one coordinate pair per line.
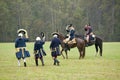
x,y
61,37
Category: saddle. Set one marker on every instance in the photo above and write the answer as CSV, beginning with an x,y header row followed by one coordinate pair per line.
x,y
92,39
73,41
68,42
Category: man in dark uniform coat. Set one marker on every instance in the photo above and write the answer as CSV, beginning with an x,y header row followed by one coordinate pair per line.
x,y
55,49
38,50
71,32
88,33
20,45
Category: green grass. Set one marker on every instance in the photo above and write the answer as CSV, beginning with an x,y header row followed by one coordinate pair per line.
x,y
89,68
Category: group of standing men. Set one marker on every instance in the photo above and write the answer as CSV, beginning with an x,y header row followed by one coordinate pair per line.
x,y
22,53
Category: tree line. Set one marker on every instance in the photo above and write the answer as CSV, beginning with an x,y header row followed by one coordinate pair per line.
x,y
50,15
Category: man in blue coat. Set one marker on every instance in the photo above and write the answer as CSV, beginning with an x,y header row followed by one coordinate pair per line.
x,y
20,45
70,35
70,32
38,50
55,49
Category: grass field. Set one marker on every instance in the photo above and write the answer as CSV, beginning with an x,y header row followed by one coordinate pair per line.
x,y
89,68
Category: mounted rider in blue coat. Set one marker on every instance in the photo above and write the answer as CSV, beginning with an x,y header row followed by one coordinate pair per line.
x,y
70,36
70,32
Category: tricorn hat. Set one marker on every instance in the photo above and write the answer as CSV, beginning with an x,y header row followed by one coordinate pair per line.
x,y
55,33
70,25
22,31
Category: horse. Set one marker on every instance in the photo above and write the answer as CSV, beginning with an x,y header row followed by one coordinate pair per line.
x,y
98,45
98,42
80,44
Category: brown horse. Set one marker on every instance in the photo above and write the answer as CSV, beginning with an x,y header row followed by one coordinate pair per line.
x,y
80,44
98,43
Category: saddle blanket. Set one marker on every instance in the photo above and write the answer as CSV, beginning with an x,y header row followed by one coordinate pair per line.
x,y
69,42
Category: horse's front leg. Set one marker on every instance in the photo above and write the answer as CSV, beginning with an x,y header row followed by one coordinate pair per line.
x,y
96,54
96,47
80,56
62,53
66,54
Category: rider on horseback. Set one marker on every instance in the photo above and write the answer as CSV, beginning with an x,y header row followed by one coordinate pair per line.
x,y
88,33
70,35
70,32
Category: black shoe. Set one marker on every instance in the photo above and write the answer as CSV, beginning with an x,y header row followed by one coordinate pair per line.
x,y
58,63
54,64
25,64
36,61
36,64
43,64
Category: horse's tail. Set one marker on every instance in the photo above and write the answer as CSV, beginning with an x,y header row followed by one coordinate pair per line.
x,y
99,43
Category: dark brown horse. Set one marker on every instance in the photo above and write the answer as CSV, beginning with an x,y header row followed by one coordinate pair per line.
x,y
80,44
98,44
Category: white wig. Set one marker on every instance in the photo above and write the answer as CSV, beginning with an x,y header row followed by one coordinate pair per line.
x,y
20,34
38,38
55,36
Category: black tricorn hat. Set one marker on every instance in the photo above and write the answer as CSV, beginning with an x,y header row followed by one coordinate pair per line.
x,y
70,25
55,33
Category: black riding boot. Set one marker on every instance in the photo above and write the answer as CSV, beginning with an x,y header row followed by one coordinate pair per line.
x,y
57,62
54,62
67,46
42,61
36,61
25,64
